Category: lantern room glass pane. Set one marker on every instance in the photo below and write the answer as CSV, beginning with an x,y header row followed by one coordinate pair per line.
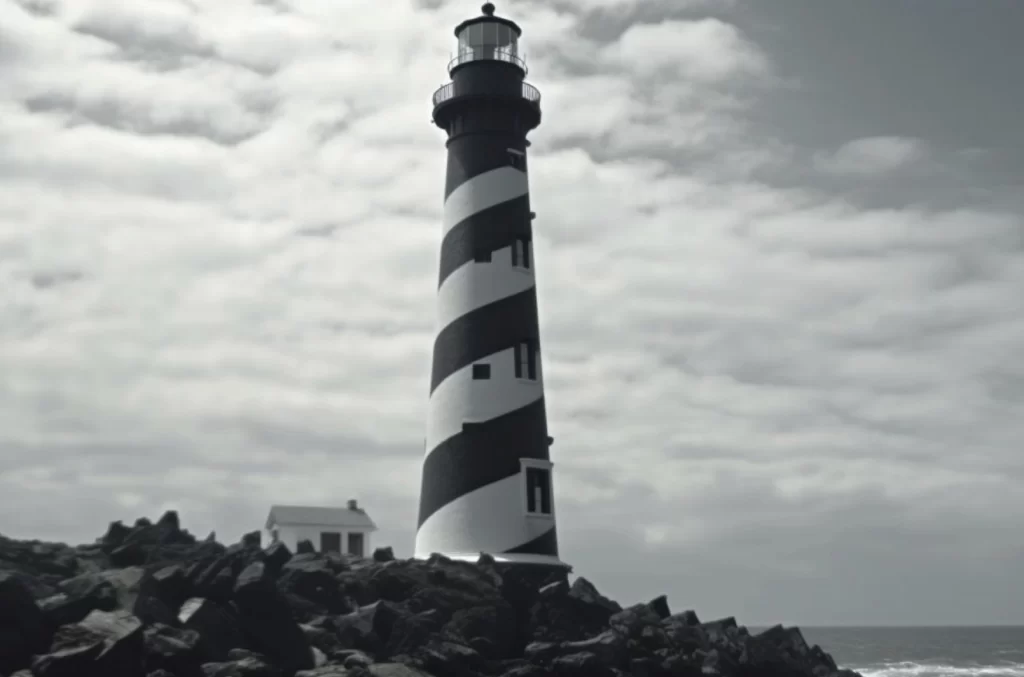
x,y
488,40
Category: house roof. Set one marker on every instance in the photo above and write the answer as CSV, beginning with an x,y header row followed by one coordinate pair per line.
x,y
352,518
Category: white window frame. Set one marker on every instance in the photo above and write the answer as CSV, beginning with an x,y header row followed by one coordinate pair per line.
x,y
539,464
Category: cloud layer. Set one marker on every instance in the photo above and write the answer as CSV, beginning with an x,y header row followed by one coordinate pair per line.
x,y
771,395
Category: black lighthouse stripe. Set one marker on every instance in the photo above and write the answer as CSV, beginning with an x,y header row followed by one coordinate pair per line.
x,y
487,330
486,230
545,544
481,454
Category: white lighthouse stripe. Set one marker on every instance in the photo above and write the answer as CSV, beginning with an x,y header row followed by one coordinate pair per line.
x,y
490,519
483,191
474,285
460,399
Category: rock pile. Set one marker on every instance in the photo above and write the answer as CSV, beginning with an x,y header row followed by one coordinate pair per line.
x,y
153,601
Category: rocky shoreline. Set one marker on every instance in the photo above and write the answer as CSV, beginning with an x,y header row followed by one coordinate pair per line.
x,y
153,601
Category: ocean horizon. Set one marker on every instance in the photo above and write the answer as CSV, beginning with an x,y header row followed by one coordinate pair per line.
x,y
923,651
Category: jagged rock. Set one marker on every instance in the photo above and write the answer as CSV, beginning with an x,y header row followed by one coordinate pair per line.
x,y
325,671
313,578
395,670
108,643
275,556
582,664
150,600
305,547
23,627
218,628
491,628
386,554
449,658
176,650
266,620
245,667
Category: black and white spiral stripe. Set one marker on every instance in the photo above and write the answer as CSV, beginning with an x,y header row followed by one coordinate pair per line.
x,y
479,431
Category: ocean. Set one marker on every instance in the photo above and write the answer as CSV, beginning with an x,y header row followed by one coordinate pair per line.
x,y
926,651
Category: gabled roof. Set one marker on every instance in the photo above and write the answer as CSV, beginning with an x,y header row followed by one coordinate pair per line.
x,y
352,518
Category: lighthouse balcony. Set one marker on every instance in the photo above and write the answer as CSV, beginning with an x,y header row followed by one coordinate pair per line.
x,y
452,90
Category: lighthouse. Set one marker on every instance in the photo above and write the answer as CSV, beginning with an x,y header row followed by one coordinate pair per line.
x,y
487,473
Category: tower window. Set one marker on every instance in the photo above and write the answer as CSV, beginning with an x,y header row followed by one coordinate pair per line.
x,y
517,159
481,372
521,253
538,491
526,360
482,256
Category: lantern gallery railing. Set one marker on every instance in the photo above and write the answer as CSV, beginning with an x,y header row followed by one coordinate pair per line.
x,y
529,92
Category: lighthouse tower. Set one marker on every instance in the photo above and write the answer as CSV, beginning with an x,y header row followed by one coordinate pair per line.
x,y
487,474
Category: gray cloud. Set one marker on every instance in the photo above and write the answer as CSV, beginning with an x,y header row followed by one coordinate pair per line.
x,y
780,305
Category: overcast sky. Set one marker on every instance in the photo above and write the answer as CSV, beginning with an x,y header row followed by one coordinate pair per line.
x,y
780,266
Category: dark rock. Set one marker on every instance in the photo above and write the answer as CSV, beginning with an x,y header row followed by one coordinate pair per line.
x,y
245,667
660,606
151,600
313,579
581,664
495,624
218,628
169,584
449,658
631,621
116,533
108,643
584,591
23,626
253,539
385,554
305,547
275,556
326,671
267,622
176,650
61,609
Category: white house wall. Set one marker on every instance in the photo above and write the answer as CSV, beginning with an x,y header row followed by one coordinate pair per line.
x,y
290,535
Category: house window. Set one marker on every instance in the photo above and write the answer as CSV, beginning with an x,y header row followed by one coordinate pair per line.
x,y
356,544
521,252
526,360
330,541
482,256
538,491
481,372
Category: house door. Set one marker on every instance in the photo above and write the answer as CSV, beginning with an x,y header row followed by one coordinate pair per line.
x,y
330,541
355,544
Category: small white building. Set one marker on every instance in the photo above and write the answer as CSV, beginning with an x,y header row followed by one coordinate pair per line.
x,y
340,530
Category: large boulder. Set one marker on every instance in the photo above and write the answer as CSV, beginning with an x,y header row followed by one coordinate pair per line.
x,y
24,629
108,643
266,620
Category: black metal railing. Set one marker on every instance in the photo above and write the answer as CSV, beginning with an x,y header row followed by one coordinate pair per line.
x,y
486,54
529,92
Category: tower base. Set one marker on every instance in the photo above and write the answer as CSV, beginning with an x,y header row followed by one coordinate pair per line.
x,y
532,570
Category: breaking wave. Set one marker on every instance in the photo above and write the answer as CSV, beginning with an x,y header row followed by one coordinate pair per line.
x,y
911,669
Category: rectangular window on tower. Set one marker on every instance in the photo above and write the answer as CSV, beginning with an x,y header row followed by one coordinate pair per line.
x,y
521,253
481,372
517,159
526,360
538,491
482,255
